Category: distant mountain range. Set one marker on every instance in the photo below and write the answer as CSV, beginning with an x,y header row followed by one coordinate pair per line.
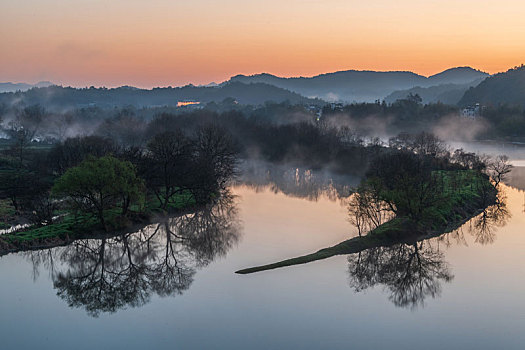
x,y
12,87
60,97
365,86
444,93
503,88
463,86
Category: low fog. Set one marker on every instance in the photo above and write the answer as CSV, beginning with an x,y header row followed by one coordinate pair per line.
x,y
331,139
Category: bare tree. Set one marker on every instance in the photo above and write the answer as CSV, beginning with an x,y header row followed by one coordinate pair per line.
x,y
498,168
367,211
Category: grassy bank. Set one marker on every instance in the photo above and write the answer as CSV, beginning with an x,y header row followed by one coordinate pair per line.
x,y
72,226
466,194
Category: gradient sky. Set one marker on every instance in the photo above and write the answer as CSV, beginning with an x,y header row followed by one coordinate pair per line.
x,y
171,42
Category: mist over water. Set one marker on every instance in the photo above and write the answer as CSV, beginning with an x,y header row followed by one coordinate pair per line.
x,y
297,182
262,175
297,171
279,212
514,150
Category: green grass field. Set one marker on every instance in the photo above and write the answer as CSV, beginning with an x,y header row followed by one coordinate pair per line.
x,y
71,226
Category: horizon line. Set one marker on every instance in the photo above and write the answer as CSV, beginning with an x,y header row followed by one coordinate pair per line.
x,y
247,75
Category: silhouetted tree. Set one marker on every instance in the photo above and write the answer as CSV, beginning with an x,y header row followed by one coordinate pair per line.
x,y
214,163
405,182
498,168
74,150
168,165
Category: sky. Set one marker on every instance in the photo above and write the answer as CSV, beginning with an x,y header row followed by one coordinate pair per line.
x,y
171,42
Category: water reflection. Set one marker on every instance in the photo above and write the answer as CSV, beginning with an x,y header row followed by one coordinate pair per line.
x,y
482,227
410,273
296,182
108,274
516,178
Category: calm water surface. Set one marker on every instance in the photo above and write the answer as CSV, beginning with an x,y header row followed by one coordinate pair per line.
x,y
172,285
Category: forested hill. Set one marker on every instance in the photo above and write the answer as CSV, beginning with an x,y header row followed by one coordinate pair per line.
x,y
445,93
12,87
503,88
64,97
362,86
459,75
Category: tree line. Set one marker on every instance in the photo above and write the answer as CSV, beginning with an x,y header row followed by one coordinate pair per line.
x,y
172,156
97,176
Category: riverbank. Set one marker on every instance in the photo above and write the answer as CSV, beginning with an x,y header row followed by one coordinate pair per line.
x,y
468,194
71,227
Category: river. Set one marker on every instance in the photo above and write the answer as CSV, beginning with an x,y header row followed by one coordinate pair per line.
x,y
173,286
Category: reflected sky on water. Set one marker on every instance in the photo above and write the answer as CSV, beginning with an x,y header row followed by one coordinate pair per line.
x,y
172,285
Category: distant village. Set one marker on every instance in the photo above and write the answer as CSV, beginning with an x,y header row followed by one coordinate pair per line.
x,y
472,111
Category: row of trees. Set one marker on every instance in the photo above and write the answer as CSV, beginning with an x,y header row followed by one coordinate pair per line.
x,y
171,154
273,132
96,174
174,154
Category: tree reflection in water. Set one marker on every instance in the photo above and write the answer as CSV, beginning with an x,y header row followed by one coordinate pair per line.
x,y
482,227
296,182
108,274
411,273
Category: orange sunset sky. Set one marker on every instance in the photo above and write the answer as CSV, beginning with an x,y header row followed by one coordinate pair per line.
x,y
171,42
